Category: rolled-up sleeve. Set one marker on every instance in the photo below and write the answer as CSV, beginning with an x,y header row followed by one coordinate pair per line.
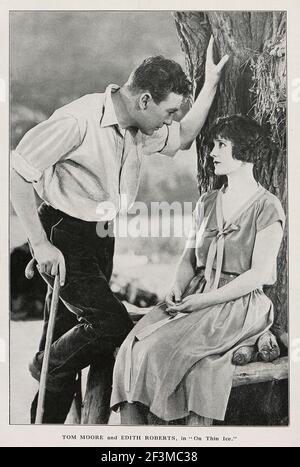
x,y
45,144
164,141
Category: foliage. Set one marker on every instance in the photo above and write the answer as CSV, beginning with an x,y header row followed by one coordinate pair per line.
x,y
269,88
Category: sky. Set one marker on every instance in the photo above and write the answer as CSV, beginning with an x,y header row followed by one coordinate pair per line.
x,y
57,56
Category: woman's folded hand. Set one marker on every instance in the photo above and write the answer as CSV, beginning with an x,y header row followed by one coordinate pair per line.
x,y
173,297
188,304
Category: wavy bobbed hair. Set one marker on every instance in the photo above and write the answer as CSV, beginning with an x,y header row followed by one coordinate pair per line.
x,y
249,139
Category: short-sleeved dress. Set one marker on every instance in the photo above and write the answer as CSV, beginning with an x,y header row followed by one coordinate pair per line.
x,y
184,364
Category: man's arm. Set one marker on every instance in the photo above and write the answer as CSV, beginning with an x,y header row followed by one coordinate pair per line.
x,y
193,121
168,140
49,259
41,147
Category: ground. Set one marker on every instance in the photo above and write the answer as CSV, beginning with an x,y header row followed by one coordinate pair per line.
x,y
24,338
23,343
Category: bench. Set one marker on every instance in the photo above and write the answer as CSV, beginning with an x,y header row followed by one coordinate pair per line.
x,y
95,407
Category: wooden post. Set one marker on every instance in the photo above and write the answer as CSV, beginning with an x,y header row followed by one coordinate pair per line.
x,y
96,408
74,415
196,420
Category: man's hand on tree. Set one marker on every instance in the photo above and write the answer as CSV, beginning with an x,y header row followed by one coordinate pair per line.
x,y
213,71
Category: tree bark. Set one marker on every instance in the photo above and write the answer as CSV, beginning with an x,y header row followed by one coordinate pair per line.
x,y
254,78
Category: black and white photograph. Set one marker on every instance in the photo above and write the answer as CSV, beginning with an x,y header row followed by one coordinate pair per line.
x,y
149,221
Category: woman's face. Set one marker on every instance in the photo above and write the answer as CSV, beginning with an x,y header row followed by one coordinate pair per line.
x,y
221,154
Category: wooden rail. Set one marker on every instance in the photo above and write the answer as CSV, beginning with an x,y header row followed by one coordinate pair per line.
x,y
261,372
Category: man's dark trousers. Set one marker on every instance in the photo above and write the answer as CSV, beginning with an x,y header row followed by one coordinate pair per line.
x,y
91,322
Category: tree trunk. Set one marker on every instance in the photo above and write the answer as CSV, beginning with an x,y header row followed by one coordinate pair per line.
x,y
253,83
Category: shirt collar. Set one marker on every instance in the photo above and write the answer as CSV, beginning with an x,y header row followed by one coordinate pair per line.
x,y
109,117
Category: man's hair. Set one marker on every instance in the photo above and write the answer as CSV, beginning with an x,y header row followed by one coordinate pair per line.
x,y
160,76
249,139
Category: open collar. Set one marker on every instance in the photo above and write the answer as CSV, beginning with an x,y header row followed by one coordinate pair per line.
x,y
108,117
260,190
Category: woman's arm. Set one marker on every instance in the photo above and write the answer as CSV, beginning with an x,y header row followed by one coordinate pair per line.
x,y
264,257
185,271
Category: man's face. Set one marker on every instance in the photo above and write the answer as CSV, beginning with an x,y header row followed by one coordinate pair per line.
x,y
152,116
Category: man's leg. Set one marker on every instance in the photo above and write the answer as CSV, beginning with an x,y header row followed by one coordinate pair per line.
x,y
103,319
63,322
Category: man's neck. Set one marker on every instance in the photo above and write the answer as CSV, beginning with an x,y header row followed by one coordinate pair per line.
x,y
123,104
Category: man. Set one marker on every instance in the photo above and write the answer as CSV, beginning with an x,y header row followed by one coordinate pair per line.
x,y
88,154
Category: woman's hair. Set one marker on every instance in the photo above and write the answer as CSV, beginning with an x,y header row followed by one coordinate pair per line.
x,y
249,140
160,76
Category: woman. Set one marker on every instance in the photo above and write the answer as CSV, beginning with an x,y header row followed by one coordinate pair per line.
x,y
177,361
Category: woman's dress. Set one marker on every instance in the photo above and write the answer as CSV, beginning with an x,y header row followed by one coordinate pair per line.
x,y
184,364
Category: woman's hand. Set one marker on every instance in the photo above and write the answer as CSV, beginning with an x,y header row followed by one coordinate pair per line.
x,y
194,302
174,295
213,71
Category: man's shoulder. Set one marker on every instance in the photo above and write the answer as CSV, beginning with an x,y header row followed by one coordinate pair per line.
x,y
83,105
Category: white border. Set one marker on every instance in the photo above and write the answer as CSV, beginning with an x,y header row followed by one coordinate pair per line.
x,y
30,435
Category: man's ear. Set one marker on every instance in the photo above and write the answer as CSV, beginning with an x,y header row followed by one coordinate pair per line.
x,y
144,100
